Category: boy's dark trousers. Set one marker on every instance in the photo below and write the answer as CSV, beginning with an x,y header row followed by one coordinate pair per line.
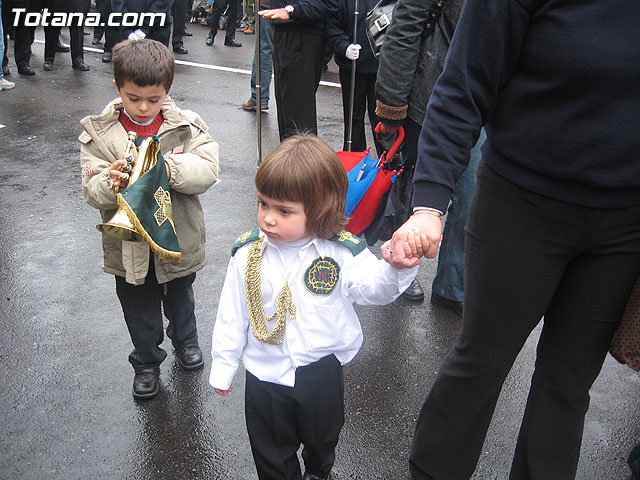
x,y
280,418
142,308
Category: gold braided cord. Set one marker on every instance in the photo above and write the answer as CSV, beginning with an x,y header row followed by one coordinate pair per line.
x,y
258,317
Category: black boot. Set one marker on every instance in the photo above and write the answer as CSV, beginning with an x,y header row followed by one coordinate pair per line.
x,y
311,476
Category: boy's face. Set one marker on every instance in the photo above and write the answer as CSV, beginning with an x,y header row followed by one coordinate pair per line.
x,y
142,103
281,220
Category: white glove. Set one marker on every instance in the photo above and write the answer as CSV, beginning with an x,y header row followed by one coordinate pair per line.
x,y
353,51
137,35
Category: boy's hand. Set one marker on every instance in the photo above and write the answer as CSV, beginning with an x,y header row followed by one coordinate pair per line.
x,y
224,393
116,180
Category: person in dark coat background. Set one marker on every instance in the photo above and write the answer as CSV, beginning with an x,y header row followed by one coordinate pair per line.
x,y
158,32
340,35
52,34
298,56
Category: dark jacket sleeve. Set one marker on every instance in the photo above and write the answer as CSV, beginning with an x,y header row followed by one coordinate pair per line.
x,y
337,29
483,55
306,10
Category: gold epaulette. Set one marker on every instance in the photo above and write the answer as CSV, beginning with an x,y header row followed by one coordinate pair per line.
x,y
349,240
250,236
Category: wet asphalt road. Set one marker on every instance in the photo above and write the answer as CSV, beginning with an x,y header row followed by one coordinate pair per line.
x,y
65,383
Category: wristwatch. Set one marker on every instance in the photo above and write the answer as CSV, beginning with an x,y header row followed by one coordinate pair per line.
x,y
289,9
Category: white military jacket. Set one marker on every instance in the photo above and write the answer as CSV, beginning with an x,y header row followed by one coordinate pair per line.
x,y
324,323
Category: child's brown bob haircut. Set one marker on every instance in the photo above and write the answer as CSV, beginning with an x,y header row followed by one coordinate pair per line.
x,y
305,169
143,62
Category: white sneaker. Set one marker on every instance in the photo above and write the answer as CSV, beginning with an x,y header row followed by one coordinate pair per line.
x,y
6,84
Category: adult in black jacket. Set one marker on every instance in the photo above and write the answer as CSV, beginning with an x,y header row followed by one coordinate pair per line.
x,y
52,34
554,227
298,55
160,31
340,35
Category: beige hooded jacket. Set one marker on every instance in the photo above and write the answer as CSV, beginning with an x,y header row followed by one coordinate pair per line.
x,y
192,156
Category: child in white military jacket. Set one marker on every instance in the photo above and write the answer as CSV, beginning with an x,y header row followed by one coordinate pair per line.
x,y
286,309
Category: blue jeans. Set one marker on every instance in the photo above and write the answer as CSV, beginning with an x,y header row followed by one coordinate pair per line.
x,y
449,279
266,62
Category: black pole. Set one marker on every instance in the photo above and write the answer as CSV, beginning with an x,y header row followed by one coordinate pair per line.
x,y
353,76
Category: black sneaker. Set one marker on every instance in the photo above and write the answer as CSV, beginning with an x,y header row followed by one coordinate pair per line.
x,y
446,302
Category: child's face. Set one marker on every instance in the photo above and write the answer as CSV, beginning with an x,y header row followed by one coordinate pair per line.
x,y
142,103
281,220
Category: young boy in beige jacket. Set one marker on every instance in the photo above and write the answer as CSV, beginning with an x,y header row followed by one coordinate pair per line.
x,y
146,283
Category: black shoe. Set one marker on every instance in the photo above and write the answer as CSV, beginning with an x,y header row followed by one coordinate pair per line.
x,y
190,357
83,67
26,70
107,57
414,293
445,302
311,476
209,40
145,383
61,47
95,41
5,71
232,43
187,33
180,50
47,66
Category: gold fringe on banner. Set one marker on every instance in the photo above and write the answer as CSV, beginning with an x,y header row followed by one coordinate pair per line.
x,y
175,257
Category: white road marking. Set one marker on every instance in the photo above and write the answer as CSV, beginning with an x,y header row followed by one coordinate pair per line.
x,y
208,66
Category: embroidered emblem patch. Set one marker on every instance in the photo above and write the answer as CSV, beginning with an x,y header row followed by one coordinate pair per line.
x,y
165,210
322,276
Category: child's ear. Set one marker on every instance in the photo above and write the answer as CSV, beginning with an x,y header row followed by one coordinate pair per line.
x,y
116,85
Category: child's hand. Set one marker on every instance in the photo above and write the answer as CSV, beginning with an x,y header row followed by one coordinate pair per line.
x,y
116,179
224,393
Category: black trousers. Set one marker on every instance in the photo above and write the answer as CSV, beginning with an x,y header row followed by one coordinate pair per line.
x,y
364,102
179,14
111,33
142,304
297,66
232,18
24,35
281,418
51,36
528,256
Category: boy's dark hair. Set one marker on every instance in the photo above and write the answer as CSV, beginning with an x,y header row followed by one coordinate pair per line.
x,y
305,169
143,62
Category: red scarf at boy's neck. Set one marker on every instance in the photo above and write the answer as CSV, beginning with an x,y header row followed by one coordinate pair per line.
x,y
143,131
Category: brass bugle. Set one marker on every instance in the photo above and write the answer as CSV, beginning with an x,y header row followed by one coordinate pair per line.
x,y
129,155
120,226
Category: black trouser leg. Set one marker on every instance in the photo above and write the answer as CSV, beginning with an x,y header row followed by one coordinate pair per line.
x,y
180,309
179,13
51,36
528,256
232,20
358,138
22,45
280,418
99,30
77,45
297,65
141,305
161,34
216,11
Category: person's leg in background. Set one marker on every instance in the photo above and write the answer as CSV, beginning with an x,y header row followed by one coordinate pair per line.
x,y
6,22
98,30
370,81
297,65
179,13
266,67
447,288
4,83
232,22
51,36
